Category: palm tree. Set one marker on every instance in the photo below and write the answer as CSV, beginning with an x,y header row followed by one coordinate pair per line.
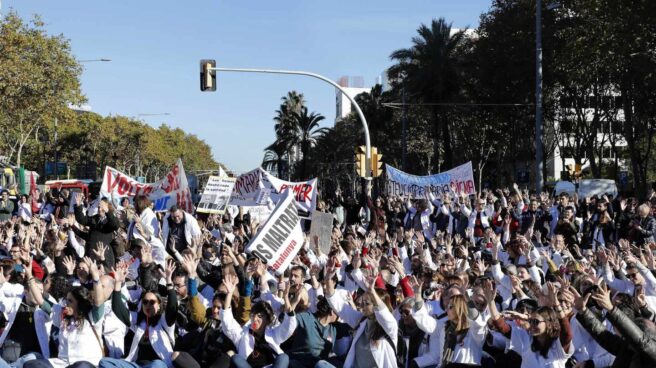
x,y
429,72
274,157
285,125
307,132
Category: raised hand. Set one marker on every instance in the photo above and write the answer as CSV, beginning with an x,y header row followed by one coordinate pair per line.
x,y
169,270
416,285
489,291
230,281
99,251
70,264
93,268
189,264
603,298
396,264
120,272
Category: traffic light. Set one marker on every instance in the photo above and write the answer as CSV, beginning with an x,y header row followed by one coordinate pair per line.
x,y
376,162
361,164
207,75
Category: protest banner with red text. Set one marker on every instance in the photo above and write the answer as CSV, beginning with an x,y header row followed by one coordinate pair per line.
x,y
255,187
281,237
458,180
173,189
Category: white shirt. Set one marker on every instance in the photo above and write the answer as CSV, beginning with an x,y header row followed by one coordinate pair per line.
x,y
520,342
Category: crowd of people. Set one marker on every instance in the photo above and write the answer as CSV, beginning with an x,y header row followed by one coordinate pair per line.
x,y
502,278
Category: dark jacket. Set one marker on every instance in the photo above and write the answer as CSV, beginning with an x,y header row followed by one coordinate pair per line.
x,y
633,350
647,233
99,231
6,210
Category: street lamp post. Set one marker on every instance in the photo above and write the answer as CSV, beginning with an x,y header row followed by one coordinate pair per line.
x,y
363,120
94,60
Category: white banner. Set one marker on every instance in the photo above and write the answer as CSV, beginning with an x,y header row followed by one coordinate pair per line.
x,y
171,190
457,180
281,237
216,195
255,187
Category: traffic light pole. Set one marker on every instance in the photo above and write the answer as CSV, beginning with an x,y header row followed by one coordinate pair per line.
x,y
363,120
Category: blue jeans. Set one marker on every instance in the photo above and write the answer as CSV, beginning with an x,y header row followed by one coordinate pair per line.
x,y
281,361
120,363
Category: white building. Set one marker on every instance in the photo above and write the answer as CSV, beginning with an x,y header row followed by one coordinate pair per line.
x,y
610,132
343,105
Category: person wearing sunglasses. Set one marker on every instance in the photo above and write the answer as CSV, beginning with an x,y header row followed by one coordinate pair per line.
x,y
258,341
210,348
548,340
153,326
417,339
80,326
376,329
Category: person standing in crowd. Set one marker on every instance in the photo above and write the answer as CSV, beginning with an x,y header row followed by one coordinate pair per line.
x,y
101,230
145,226
180,230
6,206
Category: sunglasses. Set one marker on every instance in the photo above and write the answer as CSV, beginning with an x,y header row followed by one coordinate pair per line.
x,y
405,312
633,275
535,322
148,302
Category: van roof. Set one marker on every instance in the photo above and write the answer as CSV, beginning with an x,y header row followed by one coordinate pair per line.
x,y
67,181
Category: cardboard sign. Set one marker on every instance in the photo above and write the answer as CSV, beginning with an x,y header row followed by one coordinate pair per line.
x,y
281,237
216,195
322,226
457,180
257,187
173,189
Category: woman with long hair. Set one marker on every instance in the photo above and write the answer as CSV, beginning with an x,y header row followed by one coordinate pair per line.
x,y
376,329
459,337
80,326
258,341
548,340
153,325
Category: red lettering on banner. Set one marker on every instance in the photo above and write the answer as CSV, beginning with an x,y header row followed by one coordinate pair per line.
x,y
111,184
247,183
301,191
285,254
307,189
124,186
172,182
183,200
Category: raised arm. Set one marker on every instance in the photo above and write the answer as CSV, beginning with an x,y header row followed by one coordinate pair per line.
x,y
118,305
172,298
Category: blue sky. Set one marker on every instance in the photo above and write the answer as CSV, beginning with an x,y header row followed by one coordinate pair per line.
x,y
155,47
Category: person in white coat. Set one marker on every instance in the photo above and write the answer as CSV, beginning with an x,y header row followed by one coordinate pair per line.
x,y
80,327
258,343
145,226
180,230
376,329
153,326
